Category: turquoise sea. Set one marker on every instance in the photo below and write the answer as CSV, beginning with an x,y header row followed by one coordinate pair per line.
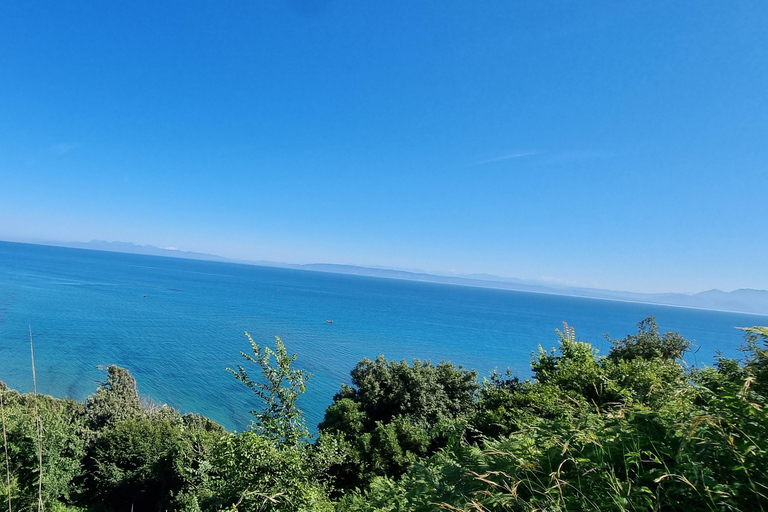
x,y
177,324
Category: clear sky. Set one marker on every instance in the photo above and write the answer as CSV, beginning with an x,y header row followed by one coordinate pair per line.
x,y
611,144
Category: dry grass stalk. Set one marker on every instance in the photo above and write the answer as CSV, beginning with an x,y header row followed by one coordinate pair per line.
x,y
5,445
40,506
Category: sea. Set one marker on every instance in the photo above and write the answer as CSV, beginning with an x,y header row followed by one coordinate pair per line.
x,y
178,324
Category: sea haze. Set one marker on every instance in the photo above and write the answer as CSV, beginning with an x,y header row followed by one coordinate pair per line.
x,y
177,324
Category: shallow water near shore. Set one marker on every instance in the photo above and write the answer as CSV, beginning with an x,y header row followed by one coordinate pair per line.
x,y
177,325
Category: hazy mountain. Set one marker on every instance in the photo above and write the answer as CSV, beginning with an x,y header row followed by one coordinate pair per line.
x,y
743,300
151,250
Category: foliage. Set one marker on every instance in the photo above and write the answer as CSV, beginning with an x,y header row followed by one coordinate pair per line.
x,y
756,360
395,414
116,399
128,463
386,389
106,454
256,472
635,429
272,467
63,448
574,368
668,438
278,390
648,344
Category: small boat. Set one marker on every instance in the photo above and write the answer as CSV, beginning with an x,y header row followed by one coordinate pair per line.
x,y
329,321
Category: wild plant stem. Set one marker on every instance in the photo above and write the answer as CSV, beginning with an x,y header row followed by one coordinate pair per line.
x,y
5,445
40,506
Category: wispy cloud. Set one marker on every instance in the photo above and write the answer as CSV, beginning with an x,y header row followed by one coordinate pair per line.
x,y
505,157
61,149
549,158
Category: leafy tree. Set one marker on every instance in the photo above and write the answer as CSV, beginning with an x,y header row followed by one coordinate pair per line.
x,y
116,399
159,461
127,464
395,414
649,344
272,467
386,389
278,389
190,461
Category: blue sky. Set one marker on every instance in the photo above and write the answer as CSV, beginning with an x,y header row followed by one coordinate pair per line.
x,y
610,144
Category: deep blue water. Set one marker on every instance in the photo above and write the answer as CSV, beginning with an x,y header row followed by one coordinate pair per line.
x,y
177,324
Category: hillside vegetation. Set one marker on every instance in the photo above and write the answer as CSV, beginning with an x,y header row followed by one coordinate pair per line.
x,y
635,429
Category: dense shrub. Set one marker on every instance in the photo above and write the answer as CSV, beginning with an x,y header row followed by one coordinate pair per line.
x,y
394,414
635,429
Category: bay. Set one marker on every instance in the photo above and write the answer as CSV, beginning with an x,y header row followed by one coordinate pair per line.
x,y
177,324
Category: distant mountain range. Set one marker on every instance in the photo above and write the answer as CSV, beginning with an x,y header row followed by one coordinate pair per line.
x,y
149,250
743,300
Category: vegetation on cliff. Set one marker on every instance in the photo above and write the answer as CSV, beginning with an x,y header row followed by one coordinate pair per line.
x,y
635,429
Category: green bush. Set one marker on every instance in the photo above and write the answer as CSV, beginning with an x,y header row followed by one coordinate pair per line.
x,y
395,414
633,430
